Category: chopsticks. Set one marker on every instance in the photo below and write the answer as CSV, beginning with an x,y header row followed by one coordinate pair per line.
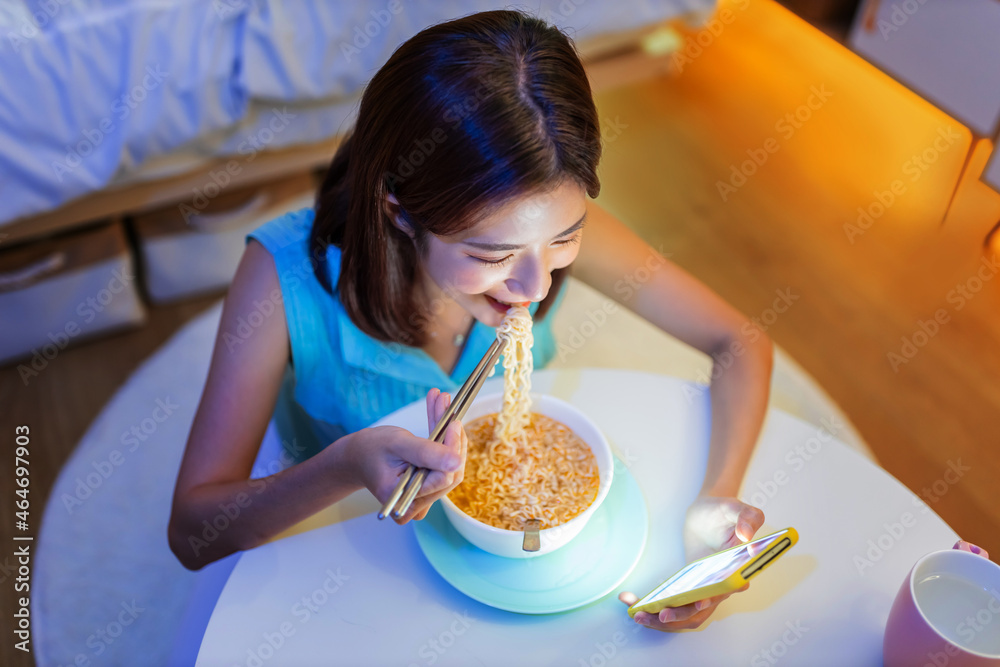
x,y
410,482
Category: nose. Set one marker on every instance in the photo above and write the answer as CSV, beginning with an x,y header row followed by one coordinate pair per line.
x,y
530,281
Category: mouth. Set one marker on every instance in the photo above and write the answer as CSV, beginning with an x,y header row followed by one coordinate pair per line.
x,y
502,306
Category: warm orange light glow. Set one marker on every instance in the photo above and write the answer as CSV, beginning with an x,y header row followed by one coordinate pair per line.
x,y
830,113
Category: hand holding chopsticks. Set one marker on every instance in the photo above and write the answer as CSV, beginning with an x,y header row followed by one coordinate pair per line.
x,y
412,480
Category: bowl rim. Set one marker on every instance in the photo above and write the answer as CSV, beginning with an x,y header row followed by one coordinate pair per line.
x,y
603,487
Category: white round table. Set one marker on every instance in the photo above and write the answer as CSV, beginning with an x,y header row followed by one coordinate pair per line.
x,y
344,588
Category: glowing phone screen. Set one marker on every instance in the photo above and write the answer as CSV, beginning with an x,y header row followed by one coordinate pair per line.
x,y
713,569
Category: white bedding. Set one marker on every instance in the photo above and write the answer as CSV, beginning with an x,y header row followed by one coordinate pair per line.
x,y
93,93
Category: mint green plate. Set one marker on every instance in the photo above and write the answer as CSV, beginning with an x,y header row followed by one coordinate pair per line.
x,y
588,568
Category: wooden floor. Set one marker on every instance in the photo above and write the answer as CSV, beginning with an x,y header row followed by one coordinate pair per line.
x,y
58,406
781,224
678,135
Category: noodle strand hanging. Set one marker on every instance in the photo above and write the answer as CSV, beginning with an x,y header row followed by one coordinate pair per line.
x,y
520,464
517,367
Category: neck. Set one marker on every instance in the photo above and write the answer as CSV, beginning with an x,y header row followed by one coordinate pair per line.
x,y
443,316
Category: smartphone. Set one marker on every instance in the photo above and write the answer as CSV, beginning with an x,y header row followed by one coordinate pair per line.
x,y
718,574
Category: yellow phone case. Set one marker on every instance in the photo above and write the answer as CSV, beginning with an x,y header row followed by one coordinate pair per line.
x,y
734,582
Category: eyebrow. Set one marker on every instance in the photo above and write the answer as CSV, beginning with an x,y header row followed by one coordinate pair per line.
x,y
511,246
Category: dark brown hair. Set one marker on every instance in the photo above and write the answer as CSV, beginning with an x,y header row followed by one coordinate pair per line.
x,y
463,118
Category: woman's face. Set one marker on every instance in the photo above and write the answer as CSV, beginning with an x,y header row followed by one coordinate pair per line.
x,y
507,258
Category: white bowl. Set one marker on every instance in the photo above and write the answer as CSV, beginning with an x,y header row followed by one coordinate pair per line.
x,y
508,543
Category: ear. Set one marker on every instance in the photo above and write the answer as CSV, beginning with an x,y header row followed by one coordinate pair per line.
x,y
394,211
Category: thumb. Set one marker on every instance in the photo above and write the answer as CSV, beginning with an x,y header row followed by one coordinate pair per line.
x,y
749,522
628,597
424,453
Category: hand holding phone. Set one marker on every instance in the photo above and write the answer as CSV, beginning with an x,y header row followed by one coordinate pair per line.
x,y
719,574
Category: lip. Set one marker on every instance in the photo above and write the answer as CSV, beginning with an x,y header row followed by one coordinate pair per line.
x,y
496,305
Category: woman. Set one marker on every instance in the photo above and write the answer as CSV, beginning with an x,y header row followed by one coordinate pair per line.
x,y
462,188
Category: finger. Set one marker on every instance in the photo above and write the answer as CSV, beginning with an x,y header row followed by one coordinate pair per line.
x,y
442,479
647,619
682,613
693,611
439,484
453,435
436,484
464,455
456,441
424,453
440,407
731,509
962,545
418,510
462,442
436,405
432,397
628,598
688,612
689,623
749,522
444,400
652,622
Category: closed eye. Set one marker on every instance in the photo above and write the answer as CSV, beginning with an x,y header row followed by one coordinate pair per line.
x,y
508,258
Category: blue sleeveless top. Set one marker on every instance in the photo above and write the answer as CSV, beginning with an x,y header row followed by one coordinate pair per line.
x,y
340,379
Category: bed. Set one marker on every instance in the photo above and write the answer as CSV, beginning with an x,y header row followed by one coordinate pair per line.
x,y
145,96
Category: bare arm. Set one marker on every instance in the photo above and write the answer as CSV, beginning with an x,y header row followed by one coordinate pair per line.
x,y
213,486
217,509
618,263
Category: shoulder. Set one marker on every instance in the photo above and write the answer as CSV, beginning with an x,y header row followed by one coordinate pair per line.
x,y
287,238
257,267
288,231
